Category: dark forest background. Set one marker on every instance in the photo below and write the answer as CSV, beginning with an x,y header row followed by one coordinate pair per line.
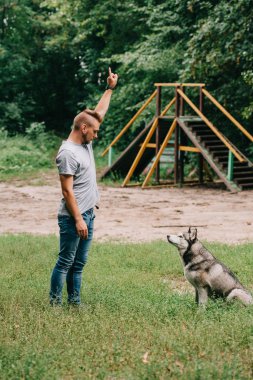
x,y
54,57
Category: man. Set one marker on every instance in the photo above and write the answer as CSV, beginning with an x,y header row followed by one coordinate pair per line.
x,y
76,166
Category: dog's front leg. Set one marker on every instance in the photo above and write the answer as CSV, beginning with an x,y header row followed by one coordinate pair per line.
x,y
202,296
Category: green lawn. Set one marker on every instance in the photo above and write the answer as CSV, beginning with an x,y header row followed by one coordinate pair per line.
x,y
140,323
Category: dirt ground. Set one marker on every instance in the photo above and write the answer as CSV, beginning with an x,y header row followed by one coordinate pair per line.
x,y
133,214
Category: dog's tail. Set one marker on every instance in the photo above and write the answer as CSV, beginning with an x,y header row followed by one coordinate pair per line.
x,y
241,295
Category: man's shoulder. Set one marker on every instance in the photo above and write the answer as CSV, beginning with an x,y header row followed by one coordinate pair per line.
x,y
66,150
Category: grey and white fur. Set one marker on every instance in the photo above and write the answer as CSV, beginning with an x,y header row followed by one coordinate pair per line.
x,y
210,277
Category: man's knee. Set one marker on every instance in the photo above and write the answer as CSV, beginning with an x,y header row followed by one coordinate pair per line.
x,y
79,264
64,263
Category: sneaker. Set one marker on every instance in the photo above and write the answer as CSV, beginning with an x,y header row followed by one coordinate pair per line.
x,y
55,303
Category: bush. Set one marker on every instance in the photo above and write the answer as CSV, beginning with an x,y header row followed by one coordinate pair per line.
x,y
27,153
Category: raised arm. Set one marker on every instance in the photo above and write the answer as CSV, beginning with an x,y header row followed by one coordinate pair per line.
x,y
104,102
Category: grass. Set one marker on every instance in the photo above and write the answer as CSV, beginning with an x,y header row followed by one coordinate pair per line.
x,y
140,323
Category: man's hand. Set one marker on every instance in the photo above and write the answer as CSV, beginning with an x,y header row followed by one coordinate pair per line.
x,y
82,229
112,79
104,102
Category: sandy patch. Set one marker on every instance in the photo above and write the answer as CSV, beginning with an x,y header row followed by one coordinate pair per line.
x,y
134,214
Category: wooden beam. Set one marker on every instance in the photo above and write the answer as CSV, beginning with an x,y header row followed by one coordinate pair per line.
x,y
189,149
193,84
157,137
229,116
163,146
146,141
183,143
176,137
150,145
130,122
211,126
140,153
167,84
180,84
166,109
181,104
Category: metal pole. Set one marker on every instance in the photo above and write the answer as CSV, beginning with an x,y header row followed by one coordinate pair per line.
x,y
110,157
230,174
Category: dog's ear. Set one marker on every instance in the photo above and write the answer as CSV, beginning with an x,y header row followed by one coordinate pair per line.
x,y
193,234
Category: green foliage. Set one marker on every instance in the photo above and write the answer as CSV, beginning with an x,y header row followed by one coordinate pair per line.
x,y
248,78
54,56
21,155
16,47
140,321
220,54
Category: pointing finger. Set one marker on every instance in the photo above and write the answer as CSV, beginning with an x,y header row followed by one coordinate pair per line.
x,y
110,72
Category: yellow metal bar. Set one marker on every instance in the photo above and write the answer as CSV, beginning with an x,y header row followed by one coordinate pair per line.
x,y
189,149
163,146
229,116
130,122
211,126
140,153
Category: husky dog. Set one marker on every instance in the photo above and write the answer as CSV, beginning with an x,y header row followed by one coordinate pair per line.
x,y
209,277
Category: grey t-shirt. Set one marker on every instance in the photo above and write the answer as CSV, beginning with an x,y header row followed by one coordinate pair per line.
x,y
78,160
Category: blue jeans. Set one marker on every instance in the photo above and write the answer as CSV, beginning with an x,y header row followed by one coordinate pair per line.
x,y
72,258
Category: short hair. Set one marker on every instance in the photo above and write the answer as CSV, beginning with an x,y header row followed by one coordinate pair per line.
x,y
84,117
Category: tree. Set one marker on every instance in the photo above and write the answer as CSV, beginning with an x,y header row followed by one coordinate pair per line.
x,y
55,54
